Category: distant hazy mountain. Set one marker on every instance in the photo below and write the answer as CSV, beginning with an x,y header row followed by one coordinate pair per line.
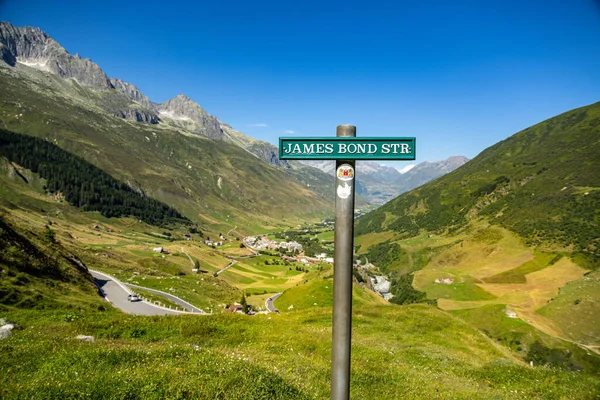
x,y
427,171
379,183
405,169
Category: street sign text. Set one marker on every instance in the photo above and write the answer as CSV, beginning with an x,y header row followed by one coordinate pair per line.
x,y
341,148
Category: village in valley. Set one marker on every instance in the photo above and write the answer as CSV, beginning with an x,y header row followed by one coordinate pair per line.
x,y
293,251
261,266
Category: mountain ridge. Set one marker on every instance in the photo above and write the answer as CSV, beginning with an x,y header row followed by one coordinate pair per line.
x,y
208,181
540,183
34,48
49,93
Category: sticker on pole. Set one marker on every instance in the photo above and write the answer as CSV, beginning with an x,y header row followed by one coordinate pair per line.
x,y
345,191
345,172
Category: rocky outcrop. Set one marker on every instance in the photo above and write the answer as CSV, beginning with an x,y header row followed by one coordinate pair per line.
x,y
185,112
34,48
267,152
6,328
86,338
138,115
132,93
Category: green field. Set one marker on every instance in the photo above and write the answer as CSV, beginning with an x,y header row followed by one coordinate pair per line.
x,y
265,274
575,309
518,275
492,270
409,351
318,292
424,354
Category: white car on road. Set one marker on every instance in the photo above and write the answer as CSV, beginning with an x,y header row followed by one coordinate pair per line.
x,y
133,297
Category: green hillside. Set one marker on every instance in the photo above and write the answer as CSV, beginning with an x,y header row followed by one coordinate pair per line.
x,y
541,183
412,351
317,291
207,181
81,183
38,273
509,241
423,354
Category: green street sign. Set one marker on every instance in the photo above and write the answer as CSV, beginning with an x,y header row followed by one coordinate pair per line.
x,y
346,148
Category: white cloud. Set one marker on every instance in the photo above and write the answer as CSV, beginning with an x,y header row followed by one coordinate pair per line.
x,y
258,125
289,132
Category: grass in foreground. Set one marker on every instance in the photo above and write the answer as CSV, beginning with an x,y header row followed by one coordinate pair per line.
x,y
398,352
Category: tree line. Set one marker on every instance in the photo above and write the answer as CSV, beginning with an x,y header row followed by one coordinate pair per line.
x,y
82,184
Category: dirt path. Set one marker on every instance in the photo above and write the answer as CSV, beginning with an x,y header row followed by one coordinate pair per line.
x,y
592,348
231,230
188,256
226,267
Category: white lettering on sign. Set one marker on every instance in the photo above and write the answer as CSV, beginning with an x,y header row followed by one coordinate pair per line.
x,y
305,148
346,148
386,148
308,148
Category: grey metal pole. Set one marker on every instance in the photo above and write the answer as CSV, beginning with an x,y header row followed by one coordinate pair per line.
x,y
342,273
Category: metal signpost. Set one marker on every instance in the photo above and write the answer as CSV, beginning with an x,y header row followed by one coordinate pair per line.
x,y
345,148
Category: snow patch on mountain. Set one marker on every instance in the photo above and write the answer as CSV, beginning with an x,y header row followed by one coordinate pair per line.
x,y
405,169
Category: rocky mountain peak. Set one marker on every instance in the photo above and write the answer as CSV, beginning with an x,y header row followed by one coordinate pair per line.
x,y
185,112
132,92
182,98
456,161
25,48
34,48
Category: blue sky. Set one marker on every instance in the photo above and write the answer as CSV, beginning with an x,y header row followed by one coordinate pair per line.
x,y
460,75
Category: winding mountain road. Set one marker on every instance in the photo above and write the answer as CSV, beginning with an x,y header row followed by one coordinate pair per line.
x,y
116,293
269,303
174,299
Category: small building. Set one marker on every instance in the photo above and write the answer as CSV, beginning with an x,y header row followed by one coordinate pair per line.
x,y
208,242
157,249
236,308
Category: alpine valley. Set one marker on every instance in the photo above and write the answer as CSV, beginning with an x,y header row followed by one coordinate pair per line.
x,y
493,262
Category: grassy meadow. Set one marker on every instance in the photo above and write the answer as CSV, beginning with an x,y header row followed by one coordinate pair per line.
x,y
424,354
496,282
466,348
